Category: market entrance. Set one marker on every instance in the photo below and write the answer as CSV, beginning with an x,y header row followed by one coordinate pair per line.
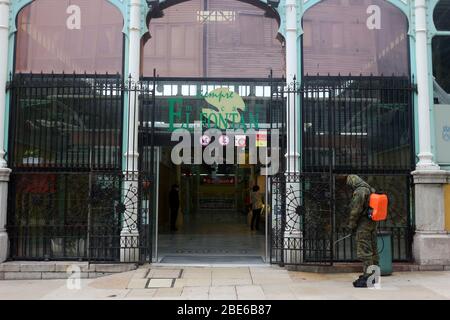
x,y
213,220
203,50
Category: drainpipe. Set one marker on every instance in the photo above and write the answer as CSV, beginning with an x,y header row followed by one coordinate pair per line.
x,y
129,248
4,171
423,74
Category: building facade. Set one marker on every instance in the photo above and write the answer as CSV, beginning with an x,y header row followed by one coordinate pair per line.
x,y
94,93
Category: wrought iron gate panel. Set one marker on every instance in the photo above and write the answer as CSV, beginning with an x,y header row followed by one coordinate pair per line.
x,y
301,223
302,220
350,125
70,198
367,123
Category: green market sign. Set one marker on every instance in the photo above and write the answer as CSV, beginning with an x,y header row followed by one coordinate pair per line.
x,y
225,110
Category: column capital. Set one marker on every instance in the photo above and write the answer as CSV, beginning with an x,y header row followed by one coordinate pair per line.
x,y
3,163
135,15
420,4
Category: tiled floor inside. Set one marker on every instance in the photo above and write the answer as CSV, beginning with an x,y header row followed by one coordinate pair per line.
x,y
225,236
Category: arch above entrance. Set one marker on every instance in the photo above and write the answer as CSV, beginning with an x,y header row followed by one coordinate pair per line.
x,y
214,38
369,37
18,5
158,5
69,36
403,5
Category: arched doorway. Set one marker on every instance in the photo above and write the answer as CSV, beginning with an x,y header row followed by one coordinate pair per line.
x,y
197,48
358,107
63,127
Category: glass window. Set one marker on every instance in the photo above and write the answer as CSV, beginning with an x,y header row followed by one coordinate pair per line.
x,y
441,69
361,37
214,38
441,15
69,35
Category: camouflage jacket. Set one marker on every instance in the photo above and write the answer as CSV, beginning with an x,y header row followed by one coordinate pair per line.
x,y
359,204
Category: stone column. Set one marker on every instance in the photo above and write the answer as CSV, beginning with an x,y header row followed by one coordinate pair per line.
x,y
4,178
129,247
4,171
431,242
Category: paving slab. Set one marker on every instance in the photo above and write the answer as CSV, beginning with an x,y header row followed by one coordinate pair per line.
x,y
115,281
223,293
137,284
141,294
250,292
168,292
164,273
160,283
192,282
231,282
195,293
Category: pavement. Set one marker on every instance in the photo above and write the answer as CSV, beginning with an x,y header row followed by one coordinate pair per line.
x,y
228,283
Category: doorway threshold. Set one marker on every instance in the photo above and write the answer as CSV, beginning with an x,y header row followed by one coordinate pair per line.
x,y
212,260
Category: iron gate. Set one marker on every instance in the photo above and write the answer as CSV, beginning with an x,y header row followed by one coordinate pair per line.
x,y
350,125
72,194
301,223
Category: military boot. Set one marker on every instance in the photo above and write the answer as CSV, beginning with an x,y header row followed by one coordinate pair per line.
x,y
361,282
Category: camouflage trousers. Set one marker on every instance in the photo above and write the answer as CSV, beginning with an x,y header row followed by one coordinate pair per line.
x,y
366,247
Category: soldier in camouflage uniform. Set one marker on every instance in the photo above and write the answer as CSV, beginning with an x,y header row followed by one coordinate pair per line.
x,y
366,228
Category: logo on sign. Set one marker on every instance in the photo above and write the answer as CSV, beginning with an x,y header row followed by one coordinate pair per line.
x,y
224,140
205,140
225,110
240,141
261,139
